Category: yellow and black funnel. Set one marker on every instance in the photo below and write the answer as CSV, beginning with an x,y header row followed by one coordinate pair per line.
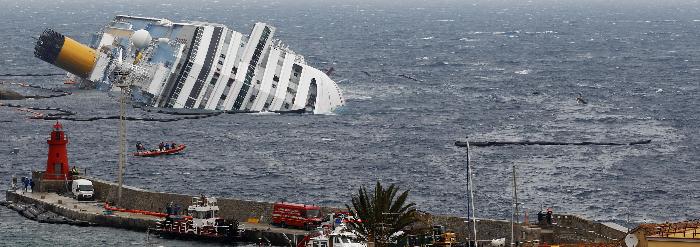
x,y
65,53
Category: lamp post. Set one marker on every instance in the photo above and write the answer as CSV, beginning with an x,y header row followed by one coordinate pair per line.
x,y
470,187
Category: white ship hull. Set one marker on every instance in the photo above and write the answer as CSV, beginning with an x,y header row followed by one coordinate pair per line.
x,y
208,66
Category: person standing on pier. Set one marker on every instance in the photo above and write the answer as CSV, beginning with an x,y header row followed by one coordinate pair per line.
x,y
14,183
31,184
25,182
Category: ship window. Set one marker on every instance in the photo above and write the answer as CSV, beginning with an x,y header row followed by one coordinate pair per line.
x,y
286,105
223,97
275,78
274,85
222,55
296,74
221,62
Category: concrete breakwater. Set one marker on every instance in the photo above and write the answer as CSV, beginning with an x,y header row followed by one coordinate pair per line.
x,y
80,211
570,228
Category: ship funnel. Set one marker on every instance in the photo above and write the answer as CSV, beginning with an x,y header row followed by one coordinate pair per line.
x,y
65,53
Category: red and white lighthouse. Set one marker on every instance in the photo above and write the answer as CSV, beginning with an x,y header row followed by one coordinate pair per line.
x,y
57,162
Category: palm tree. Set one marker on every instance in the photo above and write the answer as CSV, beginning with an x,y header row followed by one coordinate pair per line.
x,y
381,214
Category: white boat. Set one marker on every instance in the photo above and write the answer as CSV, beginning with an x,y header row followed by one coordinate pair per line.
x,y
195,65
341,236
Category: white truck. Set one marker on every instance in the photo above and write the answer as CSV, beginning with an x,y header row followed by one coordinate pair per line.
x,y
82,189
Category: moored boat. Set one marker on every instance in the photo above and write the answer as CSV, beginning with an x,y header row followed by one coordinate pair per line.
x,y
202,222
340,236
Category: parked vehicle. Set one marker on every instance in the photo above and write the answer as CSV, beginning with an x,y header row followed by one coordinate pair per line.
x,y
82,189
286,214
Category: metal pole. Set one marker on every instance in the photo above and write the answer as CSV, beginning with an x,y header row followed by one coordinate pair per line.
x,y
515,210
515,194
470,184
122,143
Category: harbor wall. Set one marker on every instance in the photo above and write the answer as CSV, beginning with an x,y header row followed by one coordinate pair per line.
x,y
487,229
136,198
570,228
573,229
44,185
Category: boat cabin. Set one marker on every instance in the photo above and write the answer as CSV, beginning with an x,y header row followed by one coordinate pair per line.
x,y
204,211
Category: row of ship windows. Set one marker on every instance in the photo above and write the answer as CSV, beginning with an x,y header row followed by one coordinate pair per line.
x,y
188,67
251,69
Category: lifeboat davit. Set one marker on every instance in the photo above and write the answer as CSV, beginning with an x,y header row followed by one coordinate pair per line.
x,y
157,152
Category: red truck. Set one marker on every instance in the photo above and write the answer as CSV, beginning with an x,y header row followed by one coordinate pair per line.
x,y
286,214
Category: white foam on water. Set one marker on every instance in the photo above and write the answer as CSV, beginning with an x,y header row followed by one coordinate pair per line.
x,y
522,72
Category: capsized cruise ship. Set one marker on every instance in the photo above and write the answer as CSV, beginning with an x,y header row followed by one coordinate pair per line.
x,y
196,65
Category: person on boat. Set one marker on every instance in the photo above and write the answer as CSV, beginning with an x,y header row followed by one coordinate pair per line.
x,y
160,146
177,209
139,146
202,200
173,146
167,146
169,208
